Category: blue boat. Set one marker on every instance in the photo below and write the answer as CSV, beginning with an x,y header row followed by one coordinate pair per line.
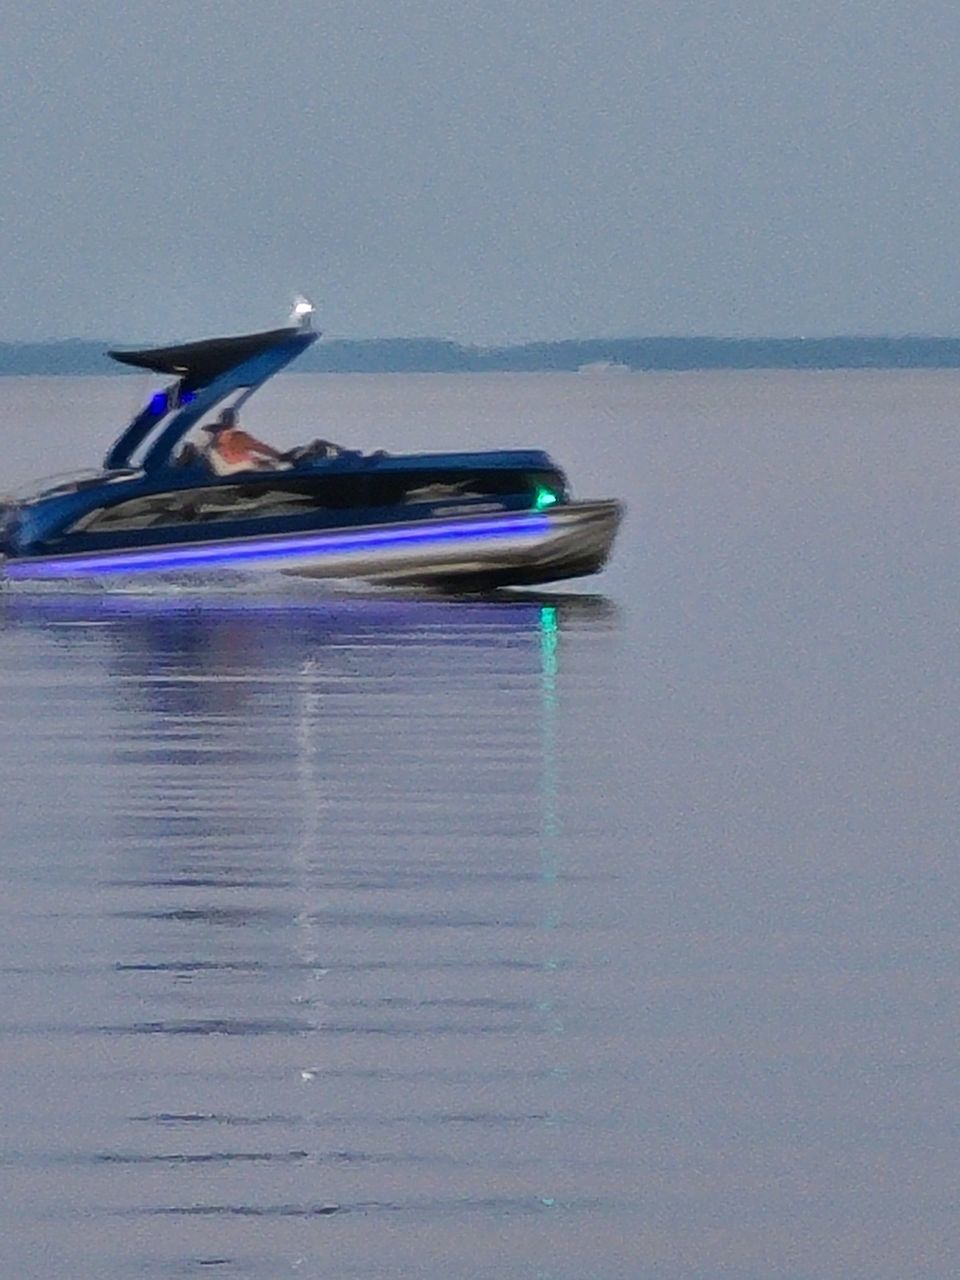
x,y
455,521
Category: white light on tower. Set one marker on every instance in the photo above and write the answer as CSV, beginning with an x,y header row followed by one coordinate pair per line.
x,y
302,311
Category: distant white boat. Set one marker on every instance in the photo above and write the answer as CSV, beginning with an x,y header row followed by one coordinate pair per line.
x,y
604,366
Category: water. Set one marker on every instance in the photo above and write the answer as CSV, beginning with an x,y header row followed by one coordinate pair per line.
x,y
607,933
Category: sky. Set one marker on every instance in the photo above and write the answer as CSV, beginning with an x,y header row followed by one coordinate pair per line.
x,y
481,170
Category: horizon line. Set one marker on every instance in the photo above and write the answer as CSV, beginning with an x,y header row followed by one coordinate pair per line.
x,y
326,339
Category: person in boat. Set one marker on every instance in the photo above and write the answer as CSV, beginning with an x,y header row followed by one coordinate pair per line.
x,y
231,449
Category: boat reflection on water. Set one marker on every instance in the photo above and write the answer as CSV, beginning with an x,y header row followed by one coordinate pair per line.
x,y
226,644
335,835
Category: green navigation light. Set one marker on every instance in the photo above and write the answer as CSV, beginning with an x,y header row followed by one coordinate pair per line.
x,y
545,498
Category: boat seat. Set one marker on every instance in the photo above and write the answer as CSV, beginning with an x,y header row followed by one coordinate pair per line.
x,y
190,456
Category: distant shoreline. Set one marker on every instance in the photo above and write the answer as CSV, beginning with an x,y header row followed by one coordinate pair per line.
x,y
590,356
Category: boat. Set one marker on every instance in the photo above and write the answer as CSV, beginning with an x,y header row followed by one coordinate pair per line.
x,y
454,521
604,366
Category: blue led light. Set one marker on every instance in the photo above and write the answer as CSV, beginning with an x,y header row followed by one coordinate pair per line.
x,y
161,402
255,551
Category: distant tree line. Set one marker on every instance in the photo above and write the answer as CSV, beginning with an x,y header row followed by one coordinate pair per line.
x,y
437,355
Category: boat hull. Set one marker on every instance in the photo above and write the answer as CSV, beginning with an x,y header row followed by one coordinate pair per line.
x,y
454,551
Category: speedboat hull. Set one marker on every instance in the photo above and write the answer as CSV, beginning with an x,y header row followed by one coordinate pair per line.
x,y
471,551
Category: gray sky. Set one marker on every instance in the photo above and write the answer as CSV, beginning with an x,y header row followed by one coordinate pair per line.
x,y
484,170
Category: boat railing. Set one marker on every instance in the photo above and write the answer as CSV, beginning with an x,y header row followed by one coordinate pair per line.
x,y
65,482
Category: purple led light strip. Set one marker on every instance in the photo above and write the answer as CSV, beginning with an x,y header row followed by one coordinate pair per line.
x,y
260,550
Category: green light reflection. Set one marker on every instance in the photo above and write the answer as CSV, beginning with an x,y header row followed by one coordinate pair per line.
x,y
548,1006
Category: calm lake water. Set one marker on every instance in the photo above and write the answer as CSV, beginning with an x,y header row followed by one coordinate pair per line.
x,y
573,935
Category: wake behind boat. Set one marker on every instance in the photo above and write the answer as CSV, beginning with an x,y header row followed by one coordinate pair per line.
x,y
163,502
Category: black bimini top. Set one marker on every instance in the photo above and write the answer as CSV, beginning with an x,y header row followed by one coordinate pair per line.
x,y
199,363
206,371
